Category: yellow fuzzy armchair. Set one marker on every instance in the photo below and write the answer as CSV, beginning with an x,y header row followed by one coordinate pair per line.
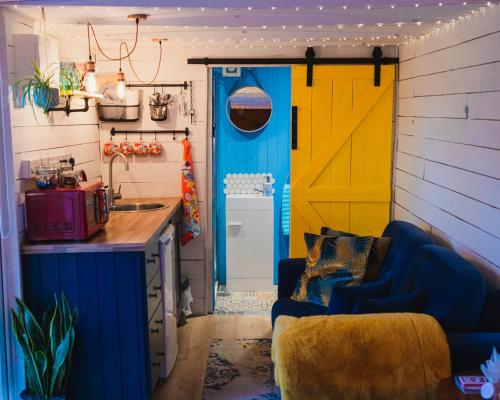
x,y
359,357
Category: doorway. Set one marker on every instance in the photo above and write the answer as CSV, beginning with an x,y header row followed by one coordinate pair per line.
x,y
242,289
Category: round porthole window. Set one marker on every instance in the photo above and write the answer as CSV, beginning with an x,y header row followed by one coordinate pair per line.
x,y
249,109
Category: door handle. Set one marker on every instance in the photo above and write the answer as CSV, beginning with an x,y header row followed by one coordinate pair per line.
x,y
294,127
235,223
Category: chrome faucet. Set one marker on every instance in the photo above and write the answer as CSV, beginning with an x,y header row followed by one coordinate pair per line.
x,y
112,195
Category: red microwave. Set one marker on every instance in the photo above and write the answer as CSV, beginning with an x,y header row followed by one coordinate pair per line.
x,y
66,213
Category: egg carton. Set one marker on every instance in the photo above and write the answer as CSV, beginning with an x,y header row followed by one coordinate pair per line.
x,y
247,183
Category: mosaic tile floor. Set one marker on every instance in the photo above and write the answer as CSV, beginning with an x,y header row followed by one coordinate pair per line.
x,y
244,303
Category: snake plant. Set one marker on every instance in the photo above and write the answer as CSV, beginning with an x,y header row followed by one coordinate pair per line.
x,y
47,348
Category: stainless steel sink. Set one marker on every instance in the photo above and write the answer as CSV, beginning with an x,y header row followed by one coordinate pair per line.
x,y
135,207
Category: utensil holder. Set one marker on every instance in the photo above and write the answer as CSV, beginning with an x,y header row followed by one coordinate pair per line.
x,y
158,112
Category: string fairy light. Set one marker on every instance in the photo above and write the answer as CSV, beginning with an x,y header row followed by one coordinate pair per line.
x,y
427,26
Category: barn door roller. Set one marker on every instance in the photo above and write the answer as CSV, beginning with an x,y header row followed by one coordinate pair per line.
x,y
376,61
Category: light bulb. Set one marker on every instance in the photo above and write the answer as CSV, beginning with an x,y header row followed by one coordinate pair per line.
x,y
91,82
120,89
120,85
90,77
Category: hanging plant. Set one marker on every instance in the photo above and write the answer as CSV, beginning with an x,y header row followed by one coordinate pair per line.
x,y
39,89
47,348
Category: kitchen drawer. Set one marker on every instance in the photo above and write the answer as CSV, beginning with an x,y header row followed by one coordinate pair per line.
x,y
154,294
156,332
152,260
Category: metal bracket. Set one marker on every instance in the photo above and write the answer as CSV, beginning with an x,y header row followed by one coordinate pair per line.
x,y
377,57
67,108
310,53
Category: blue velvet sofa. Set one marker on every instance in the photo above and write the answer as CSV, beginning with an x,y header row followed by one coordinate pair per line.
x,y
415,273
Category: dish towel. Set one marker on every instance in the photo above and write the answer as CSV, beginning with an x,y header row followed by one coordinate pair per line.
x,y
191,212
285,209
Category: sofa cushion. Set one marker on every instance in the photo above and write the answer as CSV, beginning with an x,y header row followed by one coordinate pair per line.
x,y
379,249
489,320
346,357
331,261
413,302
454,289
318,289
289,272
406,240
344,298
286,306
327,254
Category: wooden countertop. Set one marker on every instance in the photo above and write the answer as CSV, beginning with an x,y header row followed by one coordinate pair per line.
x,y
125,231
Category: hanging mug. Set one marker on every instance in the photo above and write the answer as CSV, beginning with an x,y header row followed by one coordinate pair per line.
x,y
141,149
110,148
155,148
126,148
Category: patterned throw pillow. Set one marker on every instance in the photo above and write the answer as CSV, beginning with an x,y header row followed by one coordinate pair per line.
x,y
378,252
331,261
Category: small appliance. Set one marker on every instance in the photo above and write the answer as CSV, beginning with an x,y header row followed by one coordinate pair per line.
x,y
171,296
74,213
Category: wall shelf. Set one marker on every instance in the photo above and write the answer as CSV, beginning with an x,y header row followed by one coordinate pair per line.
x,y
79,94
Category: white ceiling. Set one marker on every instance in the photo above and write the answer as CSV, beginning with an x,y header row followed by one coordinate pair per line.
x,y
255,23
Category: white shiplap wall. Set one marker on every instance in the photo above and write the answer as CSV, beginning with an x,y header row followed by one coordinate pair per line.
x,y
447,177
35,135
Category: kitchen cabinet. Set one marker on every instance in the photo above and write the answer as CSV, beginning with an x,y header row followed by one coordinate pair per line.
x,y
119,345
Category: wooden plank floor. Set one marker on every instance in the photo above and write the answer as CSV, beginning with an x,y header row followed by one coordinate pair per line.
x,y
186,380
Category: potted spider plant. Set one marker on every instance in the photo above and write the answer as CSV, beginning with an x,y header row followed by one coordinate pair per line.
x,y
39,89
47,348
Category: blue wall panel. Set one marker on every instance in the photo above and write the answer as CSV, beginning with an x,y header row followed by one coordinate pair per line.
x,y
265,151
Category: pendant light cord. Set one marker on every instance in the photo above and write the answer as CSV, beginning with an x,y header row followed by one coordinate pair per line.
x,y
157,68
129,53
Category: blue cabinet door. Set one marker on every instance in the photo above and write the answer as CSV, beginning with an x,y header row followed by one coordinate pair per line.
x,y
111,355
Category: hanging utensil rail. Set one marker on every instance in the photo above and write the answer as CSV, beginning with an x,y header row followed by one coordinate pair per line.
x,y
185,131
184,85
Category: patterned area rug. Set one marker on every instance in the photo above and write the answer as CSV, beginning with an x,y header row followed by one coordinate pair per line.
x,y
244,303
240,369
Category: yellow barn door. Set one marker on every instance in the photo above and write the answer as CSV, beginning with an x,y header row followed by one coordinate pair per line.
x,y
341,169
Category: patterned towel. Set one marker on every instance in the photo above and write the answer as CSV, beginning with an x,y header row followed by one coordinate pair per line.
x,y
191,213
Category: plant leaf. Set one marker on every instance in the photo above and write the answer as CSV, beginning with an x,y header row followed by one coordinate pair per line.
x,y
66,313
62,352
32,372
34,331
46,327
42,363
38,73
55,330
64,372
